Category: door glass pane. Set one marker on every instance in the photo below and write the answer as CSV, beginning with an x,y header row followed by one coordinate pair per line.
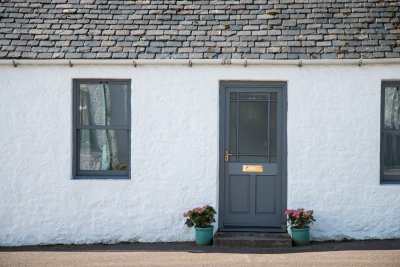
x,y
253,128
232,130
391,154
103,150
392,108
273,128
103,104
254,96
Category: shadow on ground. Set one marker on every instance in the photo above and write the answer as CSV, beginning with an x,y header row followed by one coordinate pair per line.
x,y
190,247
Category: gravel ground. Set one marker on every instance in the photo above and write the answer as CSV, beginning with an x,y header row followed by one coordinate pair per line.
x,y
355,253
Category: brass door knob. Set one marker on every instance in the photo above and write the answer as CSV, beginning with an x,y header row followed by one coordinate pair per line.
x,y
226,155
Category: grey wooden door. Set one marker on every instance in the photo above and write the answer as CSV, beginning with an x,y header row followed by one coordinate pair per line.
x,y
253,156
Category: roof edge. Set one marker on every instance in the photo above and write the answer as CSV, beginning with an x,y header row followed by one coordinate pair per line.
x,y
193,62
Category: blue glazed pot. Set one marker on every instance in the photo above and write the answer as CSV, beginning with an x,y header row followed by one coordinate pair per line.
x,y
300,236
204,236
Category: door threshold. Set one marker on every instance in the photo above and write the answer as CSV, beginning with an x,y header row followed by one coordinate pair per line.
x,y
252,229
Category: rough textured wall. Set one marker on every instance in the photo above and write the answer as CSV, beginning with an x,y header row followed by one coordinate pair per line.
x,y
273,29
333,153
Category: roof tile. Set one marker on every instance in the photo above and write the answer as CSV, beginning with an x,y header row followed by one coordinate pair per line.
x,y
277,29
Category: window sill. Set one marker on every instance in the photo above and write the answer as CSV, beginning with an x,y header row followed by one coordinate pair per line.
x,y
93,177
390,182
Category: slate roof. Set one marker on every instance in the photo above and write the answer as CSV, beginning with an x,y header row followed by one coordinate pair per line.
x,y
252,29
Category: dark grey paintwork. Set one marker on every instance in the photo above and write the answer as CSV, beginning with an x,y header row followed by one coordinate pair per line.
x,y
77,174
386,179
252,201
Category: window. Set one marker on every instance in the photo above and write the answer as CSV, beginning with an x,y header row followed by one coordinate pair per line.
x,y
101,129
390,132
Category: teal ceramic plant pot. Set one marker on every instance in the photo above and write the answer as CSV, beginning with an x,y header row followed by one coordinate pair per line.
x,y
301,236
204,236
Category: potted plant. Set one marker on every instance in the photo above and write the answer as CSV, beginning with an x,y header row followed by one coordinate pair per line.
x,y
201,218
299,220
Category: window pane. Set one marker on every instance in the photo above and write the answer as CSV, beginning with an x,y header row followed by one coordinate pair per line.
x,y
254,96
392,108
391,154
253,128
103,104
103,150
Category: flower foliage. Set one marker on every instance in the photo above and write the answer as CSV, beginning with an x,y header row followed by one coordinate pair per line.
x,y
299,218
200,217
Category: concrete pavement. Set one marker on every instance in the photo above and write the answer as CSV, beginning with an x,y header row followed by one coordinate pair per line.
x,y
356,253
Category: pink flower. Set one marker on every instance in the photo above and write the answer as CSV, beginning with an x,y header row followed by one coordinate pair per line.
x,y
184,214
287,212
197,209
296,214
299,217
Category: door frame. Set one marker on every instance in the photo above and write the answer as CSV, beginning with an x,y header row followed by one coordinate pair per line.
x,y
223,85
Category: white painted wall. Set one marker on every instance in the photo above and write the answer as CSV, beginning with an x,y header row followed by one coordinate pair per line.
x,y
333,153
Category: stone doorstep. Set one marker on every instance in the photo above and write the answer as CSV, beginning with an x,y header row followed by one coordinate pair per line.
x,y
252,239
